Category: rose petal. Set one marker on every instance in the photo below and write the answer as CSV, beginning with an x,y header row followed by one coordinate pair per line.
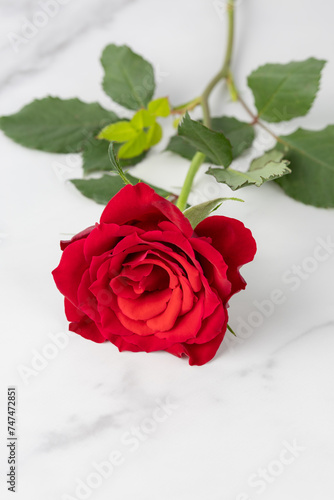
x,y
187,296
235,243
211,326
104,238
214,266
140,202
79,236
137,343
72,313
198,354
87,329
187,326
139,327
165,321
147,306
86,300
138,272
69,273
157,280
110,324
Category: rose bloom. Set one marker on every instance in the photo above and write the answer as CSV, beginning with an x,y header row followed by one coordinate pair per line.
x,y
143,279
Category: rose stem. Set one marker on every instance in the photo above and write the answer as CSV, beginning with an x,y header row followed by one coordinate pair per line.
x,y
224,73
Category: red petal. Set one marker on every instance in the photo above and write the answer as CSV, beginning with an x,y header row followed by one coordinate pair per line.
x,y
140,202
198,354
72,313
187,295
88,330
166,320
79,236
235,243
187,326
213,265
105,236
147,306
69,273
139,327
211,326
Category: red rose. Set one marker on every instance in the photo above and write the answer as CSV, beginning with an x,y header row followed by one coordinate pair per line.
x,y
145,280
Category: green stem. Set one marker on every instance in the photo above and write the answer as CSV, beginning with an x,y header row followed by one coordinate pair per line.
x,y
188,106
196,162
224,73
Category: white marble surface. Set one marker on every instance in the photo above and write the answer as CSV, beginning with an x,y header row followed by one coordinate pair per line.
x,y
257,421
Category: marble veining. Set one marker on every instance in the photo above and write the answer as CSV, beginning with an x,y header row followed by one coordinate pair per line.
x,y
254,423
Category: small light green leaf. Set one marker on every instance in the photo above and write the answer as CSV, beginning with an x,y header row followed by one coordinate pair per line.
x,y
311,154
176,122
273,155
56,125
240,134
128,79
159,107
154,135
96,159
213,144
284,91
118,132
235,179
103,189
142,119
134,147
197,213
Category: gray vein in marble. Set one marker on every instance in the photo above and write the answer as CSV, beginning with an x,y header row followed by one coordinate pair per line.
x,y
63,439
50,41
302,335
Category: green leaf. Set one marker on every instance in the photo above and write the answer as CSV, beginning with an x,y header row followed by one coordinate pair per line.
x,y
128,79
213,144
273,155
119,132
56,125
153,135
235,179
95,157
197,213
103,189
134,147
240,134
284,91
100,190
180,146
142,119
311,154
159,107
